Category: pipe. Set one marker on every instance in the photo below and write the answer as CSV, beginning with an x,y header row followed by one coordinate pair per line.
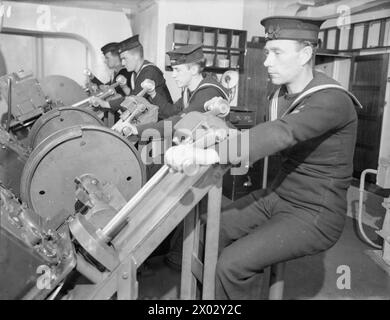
x,y
360,211
9,101
101,95
265,173
110,229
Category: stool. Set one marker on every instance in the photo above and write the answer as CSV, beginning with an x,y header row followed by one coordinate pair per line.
x,y
276,281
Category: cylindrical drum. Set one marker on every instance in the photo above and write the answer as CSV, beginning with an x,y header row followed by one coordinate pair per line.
x,y
58,119
47,183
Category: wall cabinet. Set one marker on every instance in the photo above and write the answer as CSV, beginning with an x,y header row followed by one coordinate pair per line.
x,y
224,49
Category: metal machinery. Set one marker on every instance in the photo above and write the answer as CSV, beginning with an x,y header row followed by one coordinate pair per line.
x,y
118,247
113,227
36,109
25,248
27,98
52,105
81,203
62,90
13,156
82,113
24,100
60,118
47,182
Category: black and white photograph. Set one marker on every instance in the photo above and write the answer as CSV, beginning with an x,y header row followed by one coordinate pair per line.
x,y
195,155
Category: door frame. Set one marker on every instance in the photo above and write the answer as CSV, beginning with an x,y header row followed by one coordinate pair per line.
x,y
366,55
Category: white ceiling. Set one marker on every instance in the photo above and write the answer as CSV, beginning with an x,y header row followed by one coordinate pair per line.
x,y
95,4
109,4
137,4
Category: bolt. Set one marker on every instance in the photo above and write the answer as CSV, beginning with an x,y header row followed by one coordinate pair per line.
x,y
125,275
94,181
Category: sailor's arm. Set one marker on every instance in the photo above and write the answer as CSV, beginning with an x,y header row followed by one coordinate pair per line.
x,y
311,120
166,108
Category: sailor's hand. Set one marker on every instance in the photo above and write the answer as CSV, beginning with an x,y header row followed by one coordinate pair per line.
x,y
129,130
123,84
149,86
94,87
126,90
98,102
89,73
186,158
121,80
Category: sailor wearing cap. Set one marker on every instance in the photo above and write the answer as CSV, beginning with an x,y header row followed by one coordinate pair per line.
x,y
187,63
313,124
132,56
113,62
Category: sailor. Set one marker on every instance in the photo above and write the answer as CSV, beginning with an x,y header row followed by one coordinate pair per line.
x,y
188,63
132,56
313,126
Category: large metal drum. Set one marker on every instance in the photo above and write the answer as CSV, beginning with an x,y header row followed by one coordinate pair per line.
x,y
47,183
58,119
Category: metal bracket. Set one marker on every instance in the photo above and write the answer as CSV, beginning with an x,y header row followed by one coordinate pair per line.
x,y
127,280
85,234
